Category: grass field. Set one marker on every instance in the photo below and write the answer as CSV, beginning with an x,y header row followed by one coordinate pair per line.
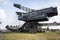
x,y
37,36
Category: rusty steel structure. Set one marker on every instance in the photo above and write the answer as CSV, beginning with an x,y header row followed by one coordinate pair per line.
x,y
32,17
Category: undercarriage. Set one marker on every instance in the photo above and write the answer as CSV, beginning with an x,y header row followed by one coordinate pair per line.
x,y
30,27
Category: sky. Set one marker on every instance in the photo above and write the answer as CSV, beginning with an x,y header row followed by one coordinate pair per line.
x,y
8,11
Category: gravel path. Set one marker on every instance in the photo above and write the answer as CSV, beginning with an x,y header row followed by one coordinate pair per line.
x,y
1,36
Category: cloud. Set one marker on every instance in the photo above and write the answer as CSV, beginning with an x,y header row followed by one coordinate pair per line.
x,y
2,14
1,1
4,1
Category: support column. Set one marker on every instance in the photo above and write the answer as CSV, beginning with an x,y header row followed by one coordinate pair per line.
x,y
32,27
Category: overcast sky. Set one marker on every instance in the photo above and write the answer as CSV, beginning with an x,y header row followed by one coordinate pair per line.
x,y
9,17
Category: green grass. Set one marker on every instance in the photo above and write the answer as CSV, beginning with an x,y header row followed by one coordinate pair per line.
x,y
37,36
